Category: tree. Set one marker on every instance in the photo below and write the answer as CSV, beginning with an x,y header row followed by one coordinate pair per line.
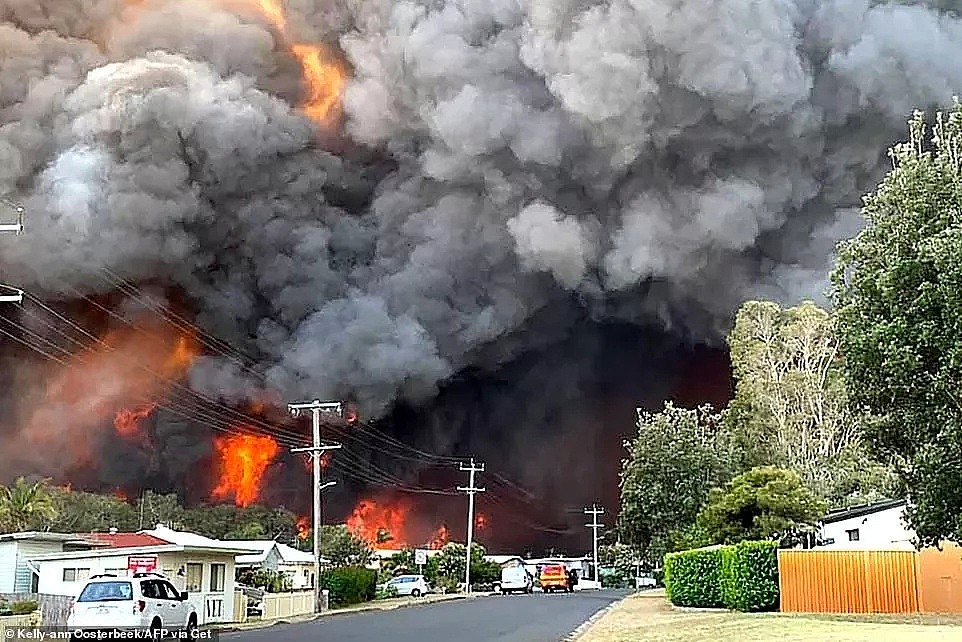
x,y
450,565
791,405
677,456
763,503
897,290
26,505
340,546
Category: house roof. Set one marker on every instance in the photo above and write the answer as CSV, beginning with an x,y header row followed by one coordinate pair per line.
x,y
861,511
44,537
125,540
108,552
199,542
288,554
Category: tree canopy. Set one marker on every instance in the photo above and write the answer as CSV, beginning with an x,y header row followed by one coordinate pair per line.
x,y
25,503
791,406
677,456
897,291
340,546
763,503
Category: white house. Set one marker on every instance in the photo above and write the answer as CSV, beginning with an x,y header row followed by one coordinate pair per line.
x,y
297,565
201,566
878,526
16,549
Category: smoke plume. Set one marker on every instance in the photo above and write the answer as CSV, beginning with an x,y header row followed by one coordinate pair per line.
x,y
659,161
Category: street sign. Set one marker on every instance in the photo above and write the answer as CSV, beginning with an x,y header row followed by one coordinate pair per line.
x,y
141,564
420,557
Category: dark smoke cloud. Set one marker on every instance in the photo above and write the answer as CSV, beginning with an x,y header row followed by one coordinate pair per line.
x,y
658,160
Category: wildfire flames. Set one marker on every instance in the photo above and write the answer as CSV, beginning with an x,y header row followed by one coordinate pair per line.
x,y
243,461
439,539
127,421
481,521
98,382
388,524
380,524
323,75
303,528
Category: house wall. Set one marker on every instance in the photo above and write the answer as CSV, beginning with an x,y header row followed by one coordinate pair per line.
x,y
301,575
26,550
211,605
8,566
16,576
884,530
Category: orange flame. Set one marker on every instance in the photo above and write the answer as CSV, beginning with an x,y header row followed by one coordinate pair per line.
x,y
324,77
127,421
380,525
481,521
98,382
440,538
121,495
303,528
243,461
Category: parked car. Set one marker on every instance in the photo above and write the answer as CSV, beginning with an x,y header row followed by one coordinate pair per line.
x,y
554,577
145,601
515,579
413,585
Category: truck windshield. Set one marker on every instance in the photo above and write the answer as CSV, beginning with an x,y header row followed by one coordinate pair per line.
x,y
106,592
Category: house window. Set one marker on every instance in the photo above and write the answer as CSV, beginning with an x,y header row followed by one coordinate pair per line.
x,y
76,574
195,578
852,535
217,572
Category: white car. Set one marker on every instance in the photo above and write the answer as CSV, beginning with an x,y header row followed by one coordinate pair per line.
x,y
413,585
146,601
515,579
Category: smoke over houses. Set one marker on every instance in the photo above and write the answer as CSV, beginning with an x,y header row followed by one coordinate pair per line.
x,y
496,226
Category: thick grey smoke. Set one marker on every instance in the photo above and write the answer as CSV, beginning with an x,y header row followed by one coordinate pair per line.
x,y
662,159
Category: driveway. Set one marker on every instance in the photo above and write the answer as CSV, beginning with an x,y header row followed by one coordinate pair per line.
x,y
512,618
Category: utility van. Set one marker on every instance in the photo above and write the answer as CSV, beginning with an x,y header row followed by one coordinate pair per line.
x,y
516,579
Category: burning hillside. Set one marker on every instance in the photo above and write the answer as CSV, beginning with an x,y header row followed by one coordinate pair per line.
x,y
497,227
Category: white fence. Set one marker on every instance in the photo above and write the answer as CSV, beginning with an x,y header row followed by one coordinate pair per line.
x,y
276,605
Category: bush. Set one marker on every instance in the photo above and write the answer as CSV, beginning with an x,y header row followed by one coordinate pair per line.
x,y
5,609
749,576
386,593
692,578
349,585
24,607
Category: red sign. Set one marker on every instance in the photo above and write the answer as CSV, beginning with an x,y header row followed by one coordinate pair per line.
x,y
141,564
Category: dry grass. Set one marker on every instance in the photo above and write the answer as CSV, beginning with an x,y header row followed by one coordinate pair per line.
x,y
649,618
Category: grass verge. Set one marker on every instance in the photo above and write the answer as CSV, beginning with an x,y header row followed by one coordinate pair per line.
x,y
649,618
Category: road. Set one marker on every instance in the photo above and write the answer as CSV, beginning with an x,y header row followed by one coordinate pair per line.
x,y
514,618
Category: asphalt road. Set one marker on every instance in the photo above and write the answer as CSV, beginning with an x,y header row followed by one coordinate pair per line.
x,y
512,618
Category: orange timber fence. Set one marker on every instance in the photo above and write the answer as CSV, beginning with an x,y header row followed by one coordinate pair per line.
x,y
821,581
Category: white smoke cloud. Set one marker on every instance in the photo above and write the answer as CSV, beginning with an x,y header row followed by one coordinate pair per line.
x,y
546,240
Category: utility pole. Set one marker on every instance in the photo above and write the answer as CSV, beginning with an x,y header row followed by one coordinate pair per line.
x,y
594,511
10,294
471,491
316,450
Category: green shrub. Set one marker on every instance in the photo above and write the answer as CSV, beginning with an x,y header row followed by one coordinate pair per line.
x,y
692,578
24,607
5,609
349,585
749,576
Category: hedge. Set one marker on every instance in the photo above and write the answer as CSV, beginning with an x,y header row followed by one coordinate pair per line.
x,y
349,585
749,577
692,578
743,577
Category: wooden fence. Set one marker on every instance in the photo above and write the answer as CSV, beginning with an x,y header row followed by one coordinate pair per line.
x,y
54,609
826,581
276,605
